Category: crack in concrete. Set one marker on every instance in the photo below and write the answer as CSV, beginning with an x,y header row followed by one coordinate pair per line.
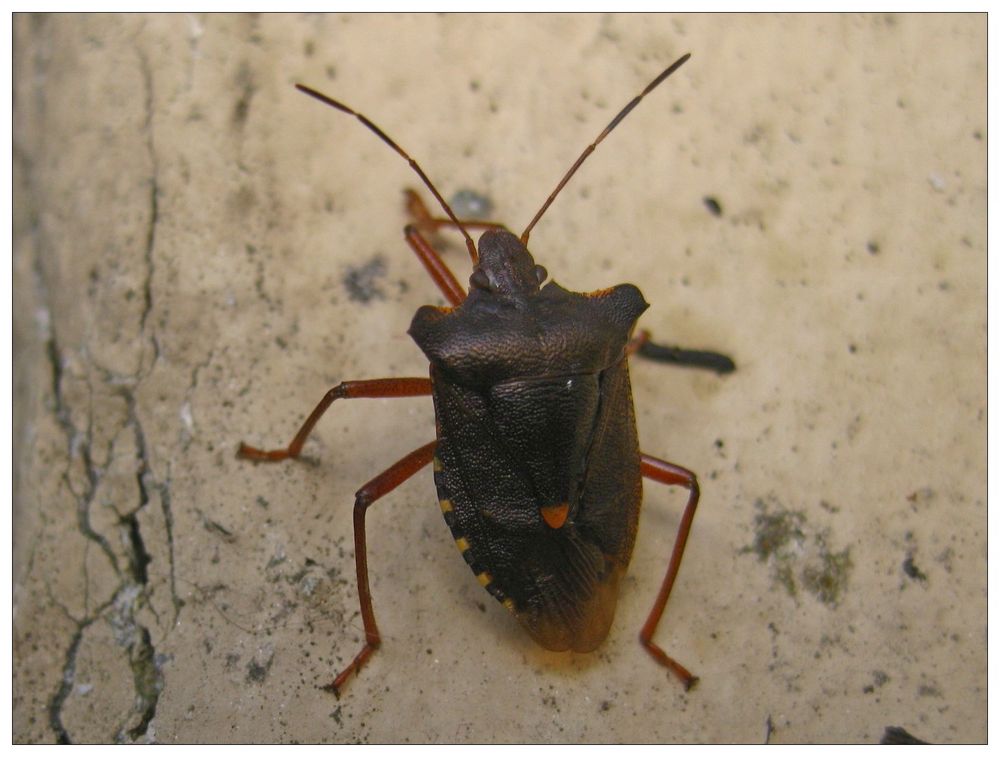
x,y
146,481
66,686
133,591
69,667
61,412
163,489
154,192
135,638
148,680
77,442
138,558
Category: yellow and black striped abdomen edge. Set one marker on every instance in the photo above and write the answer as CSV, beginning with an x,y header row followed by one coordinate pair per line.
x,y
462,542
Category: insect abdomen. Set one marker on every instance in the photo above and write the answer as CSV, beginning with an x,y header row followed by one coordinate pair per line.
x,y
560,578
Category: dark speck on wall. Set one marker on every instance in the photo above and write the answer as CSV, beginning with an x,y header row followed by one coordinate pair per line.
x,y
910,569
362,282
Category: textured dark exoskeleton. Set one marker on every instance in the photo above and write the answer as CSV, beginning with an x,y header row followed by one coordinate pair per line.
x,y
537,457
536,460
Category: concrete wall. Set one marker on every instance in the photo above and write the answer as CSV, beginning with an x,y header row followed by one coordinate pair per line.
x,y
200,252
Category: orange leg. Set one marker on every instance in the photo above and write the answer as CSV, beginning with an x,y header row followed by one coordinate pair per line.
x,y
672,475
435,266
428,224
378,487
388,387
423,224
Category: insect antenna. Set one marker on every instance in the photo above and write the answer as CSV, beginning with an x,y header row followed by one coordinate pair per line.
x,y
413,164
586,153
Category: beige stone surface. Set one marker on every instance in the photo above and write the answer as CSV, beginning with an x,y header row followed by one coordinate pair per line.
x,y
186,229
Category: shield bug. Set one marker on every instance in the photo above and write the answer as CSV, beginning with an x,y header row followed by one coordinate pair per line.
x,y
536,461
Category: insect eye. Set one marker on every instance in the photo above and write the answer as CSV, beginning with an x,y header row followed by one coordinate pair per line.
x,y
480,280
540,273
